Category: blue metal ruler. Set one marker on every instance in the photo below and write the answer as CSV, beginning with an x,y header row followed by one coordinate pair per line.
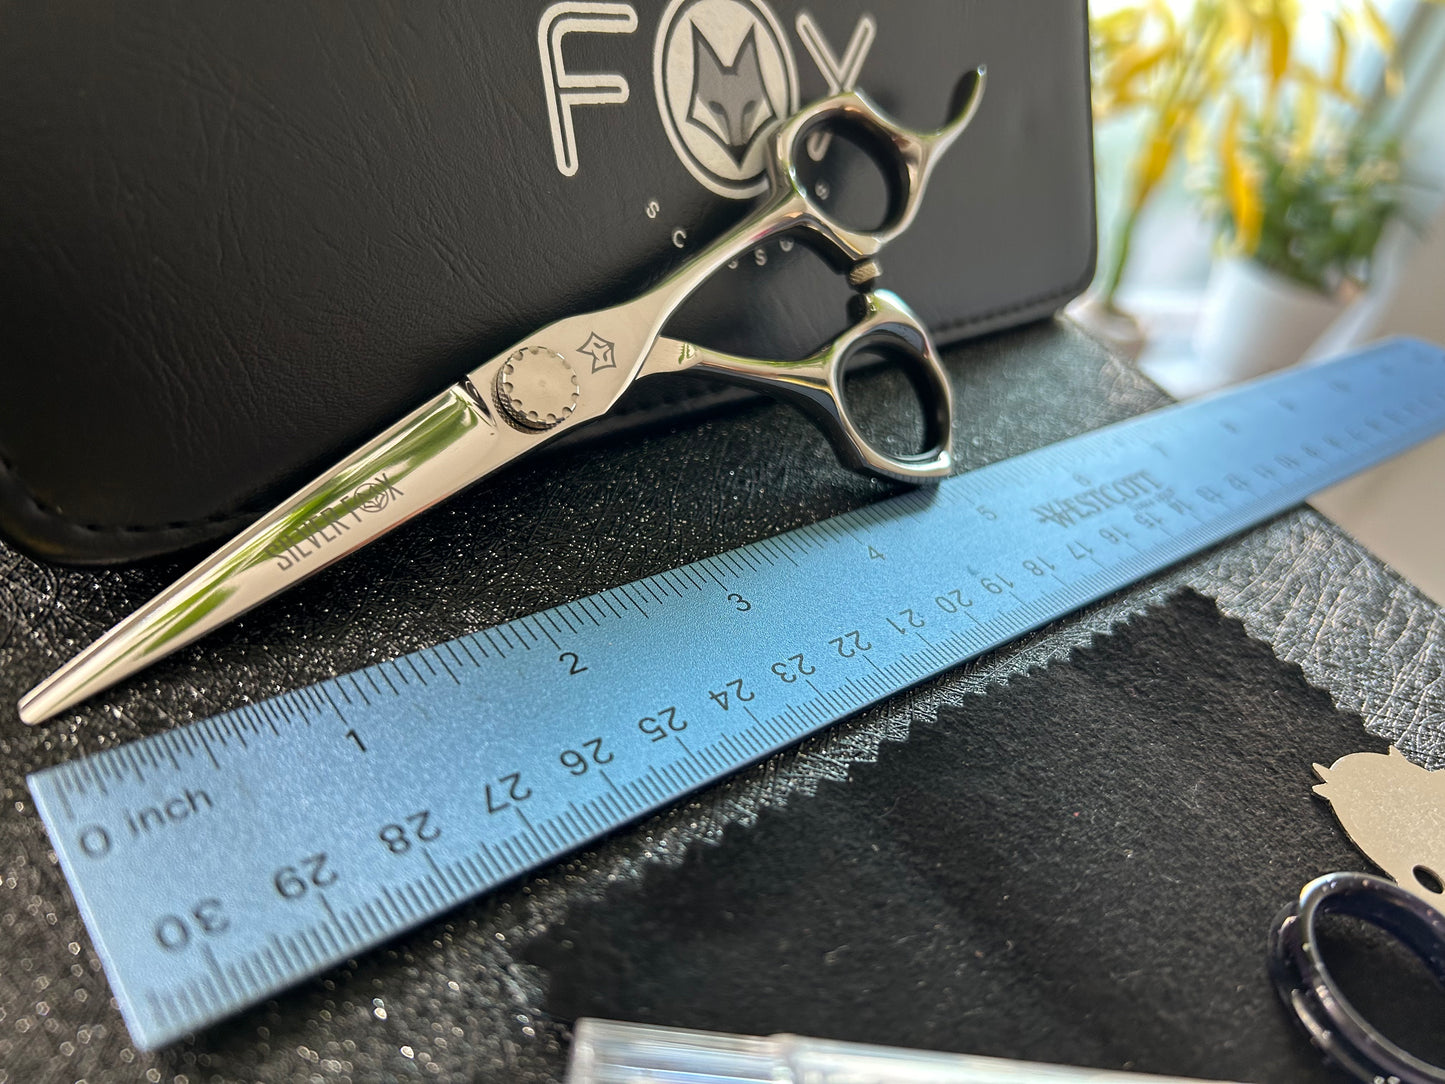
x,y
220,862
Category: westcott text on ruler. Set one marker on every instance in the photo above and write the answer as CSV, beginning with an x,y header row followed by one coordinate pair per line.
x,y
220,862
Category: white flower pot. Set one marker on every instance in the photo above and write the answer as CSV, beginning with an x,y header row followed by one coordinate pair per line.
x,y
1254,321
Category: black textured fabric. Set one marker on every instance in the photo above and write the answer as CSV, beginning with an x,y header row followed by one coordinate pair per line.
x,y
1079,868
234,245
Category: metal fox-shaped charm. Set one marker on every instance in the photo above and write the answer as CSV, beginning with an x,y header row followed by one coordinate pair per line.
x,y
1394,811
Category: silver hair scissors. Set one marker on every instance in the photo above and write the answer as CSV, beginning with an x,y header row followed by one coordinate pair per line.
x,y
563,376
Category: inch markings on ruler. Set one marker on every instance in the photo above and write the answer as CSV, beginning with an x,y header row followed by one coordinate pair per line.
x,y
221,862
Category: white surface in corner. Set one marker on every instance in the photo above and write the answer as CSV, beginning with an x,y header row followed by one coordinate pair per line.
x,y
1397,511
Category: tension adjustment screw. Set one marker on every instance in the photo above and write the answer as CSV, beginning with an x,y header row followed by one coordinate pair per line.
x,y
864,274
537,388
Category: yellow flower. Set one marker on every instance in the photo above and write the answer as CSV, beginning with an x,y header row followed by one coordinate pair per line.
x,y
1378,28
1279,46
1342,56
1150,165
1240,187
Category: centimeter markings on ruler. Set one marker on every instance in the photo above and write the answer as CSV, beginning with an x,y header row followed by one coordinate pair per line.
x,y
220,862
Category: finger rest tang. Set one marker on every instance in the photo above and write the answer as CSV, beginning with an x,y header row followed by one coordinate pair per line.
x,y
910,153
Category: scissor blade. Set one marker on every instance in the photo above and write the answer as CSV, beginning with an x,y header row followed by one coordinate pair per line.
x,y
438,449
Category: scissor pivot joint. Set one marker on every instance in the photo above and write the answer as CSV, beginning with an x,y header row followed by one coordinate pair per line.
x,y
864,273
537,388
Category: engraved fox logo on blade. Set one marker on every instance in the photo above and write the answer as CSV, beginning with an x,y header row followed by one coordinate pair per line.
x,y
729,101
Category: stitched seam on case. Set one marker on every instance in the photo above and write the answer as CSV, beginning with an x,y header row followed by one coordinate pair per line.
x,y
7,468
221,518
1057,293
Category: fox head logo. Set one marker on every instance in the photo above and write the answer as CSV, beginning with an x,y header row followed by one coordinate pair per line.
x,y
724,74
1394,811
729,100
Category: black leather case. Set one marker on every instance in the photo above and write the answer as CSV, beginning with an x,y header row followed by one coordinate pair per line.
x,y
237,241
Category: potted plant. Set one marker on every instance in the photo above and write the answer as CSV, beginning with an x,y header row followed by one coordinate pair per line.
x,y
1301,207
1175,70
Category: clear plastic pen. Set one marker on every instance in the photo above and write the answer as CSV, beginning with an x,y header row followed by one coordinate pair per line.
x,y
611,1052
